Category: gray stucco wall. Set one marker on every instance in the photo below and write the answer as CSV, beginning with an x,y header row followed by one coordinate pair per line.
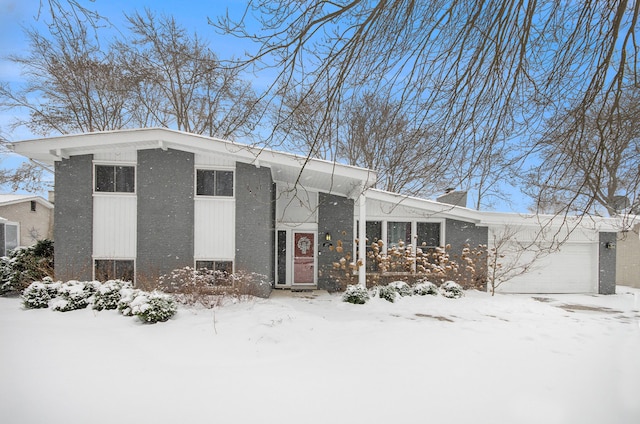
x,y
165,189
335,216
255,214
73,222
607,264
459,233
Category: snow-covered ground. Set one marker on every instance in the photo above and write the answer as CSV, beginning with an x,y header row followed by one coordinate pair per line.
x,y
314,359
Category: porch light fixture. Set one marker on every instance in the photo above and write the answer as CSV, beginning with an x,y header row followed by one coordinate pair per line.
x,y
610,245
327,241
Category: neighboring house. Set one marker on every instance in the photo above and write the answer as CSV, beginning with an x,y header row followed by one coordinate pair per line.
x,y
8,236
32,214
140,203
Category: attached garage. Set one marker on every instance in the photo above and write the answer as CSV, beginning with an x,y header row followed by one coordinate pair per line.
x,y
549,257
573,268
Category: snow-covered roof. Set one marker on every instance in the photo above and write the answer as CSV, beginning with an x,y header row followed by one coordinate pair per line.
x,y
11,198
285,167
434,209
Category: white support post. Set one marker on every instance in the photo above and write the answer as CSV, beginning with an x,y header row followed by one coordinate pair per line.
x,y
362,243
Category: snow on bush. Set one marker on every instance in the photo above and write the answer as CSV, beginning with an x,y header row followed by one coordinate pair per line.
x,y
387,293
251,284
154,307
402,288
73,295
356,294
451,290
127,295
424,288
92,287
36,296
107,296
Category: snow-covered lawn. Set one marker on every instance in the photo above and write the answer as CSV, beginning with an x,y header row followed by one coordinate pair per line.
x,y
314,359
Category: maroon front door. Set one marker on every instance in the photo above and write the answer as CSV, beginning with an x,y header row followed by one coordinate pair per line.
x,y
303,258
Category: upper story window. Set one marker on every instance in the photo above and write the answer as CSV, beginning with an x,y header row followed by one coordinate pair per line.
x,y
214,183
115,179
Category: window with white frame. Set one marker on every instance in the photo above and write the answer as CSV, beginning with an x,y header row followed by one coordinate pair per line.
x,y
217,271
9,238
398,233
115,179
210,182
374,235
114,269
428,234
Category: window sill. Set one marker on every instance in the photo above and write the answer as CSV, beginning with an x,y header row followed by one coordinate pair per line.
x,y
113,194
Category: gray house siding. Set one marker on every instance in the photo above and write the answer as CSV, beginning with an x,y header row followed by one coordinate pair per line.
x,y
73,223
607,263
458,234
255,214
335,216
165,222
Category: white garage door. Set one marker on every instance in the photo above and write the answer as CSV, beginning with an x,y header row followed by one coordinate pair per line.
x,y
572,269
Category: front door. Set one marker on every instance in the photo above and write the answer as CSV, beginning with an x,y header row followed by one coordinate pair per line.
x,y
295,257
303,258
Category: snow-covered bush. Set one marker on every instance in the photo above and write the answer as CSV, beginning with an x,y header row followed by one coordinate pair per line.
x,y
127,295
387,293
24,265
402,288
73,295
91,287
108,294
424,288
251,284
356,294
36,296
154,307
451,290
209,288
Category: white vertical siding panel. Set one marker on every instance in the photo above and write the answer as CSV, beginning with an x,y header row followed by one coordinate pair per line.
x,y
113,156
214,160
114,226
214,228
296,206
